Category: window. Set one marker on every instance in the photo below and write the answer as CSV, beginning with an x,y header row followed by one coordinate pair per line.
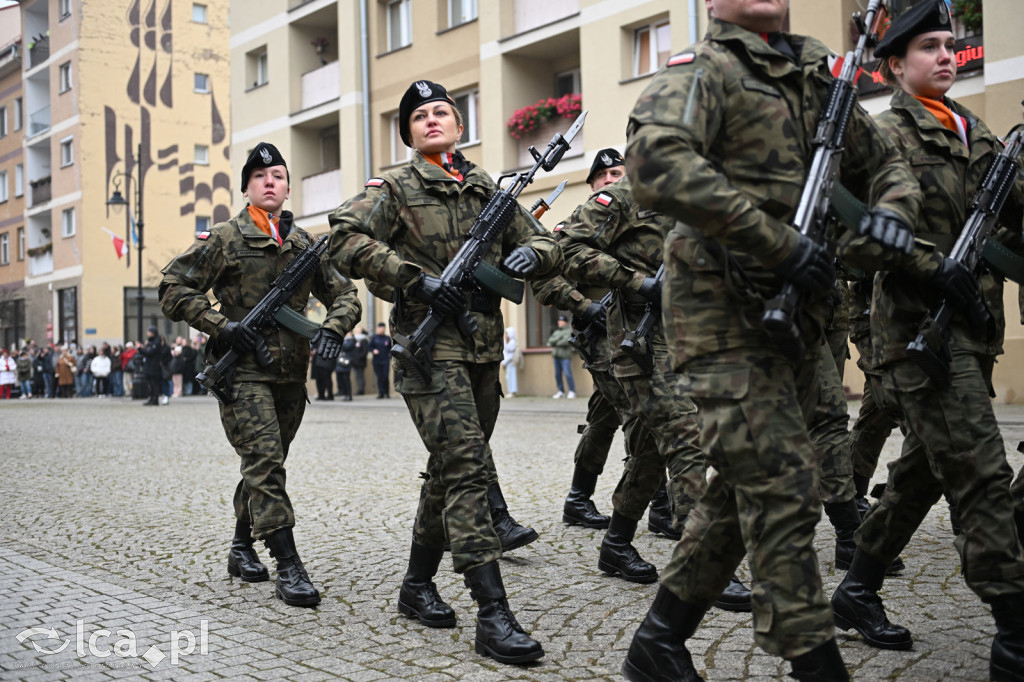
x,y
67,151
21,243
399,24
5,248
567,83
19,113
67,314
4,196
399,152
201,157
202,223
19,180
3,121
12,322
461,11
65,76
256,67
202,83
651,46
65,9
67,222
198,13
469,104
330,148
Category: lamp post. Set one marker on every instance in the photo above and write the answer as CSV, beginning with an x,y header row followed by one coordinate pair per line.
x,y
117,200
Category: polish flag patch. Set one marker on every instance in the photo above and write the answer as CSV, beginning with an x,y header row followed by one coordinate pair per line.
x,y
603,199
204,235
681,58
374,182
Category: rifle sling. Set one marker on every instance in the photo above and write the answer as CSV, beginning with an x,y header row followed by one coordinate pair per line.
x,y
498,283
1003,261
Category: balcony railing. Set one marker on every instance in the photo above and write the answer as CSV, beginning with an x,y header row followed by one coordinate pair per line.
x,y
529,14
321,85
39,121
40,265
321,192
38,53
40,191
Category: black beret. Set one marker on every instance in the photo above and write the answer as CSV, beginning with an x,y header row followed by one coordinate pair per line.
x,y
606,158
262,155
924,17
418,94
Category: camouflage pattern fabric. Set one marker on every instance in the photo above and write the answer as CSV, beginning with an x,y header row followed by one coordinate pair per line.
x,y
260,425
597,433
952,444
830,434
455,415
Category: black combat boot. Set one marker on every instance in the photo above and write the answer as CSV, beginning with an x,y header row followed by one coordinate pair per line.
x,y
659,516
511,534
861,483
658,650
735,597
418,597
579,509
845,520
857,606
821,664
498,633
242,559
293,585
618,555
1006,662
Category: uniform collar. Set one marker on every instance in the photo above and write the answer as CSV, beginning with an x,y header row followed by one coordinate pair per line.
x,y
431,172
759,52
255,236
929,127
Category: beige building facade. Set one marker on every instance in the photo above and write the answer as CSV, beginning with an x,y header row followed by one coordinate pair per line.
x,y
307,77
125,96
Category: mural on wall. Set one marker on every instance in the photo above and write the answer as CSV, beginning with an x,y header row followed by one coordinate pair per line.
x,y
155,64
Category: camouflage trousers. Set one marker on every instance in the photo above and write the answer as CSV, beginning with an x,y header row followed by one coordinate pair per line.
x,y
670,419
870,430
829,432
260,425
455,414
763,501
952,444
603,421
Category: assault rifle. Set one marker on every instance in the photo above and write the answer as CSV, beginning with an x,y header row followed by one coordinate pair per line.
x,y
272,309
636,344
812,218
930,350
584,341
469,269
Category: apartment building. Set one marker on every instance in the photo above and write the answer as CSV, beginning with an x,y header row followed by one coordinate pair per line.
x,y
322,80
118,99
12,179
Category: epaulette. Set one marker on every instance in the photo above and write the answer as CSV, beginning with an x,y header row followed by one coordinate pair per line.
x,y
682,58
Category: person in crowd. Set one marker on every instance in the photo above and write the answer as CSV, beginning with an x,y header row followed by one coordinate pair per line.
x,y
100,369
8,373
380,351
510,359
322,369
199,346
66,366
23,372
128,363
152,364
343,370
359,353
116,379
561,353
85,373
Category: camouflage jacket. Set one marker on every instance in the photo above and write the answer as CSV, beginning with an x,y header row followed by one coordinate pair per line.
x,y
949,174
414,219
239,262
721,141
613,241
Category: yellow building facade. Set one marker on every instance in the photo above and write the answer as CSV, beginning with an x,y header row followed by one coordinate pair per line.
x,y
322,80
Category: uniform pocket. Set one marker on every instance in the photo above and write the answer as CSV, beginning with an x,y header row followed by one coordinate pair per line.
x,y
410,383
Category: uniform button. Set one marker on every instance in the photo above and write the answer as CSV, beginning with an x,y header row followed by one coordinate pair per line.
x,y
700,261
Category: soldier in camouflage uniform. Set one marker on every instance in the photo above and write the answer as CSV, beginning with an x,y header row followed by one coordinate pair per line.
x,y
401,232
953,442
720,141
239,260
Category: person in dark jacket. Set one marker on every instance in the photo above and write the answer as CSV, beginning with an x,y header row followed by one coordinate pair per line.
x,y
152,364
344,367
380,349
362,348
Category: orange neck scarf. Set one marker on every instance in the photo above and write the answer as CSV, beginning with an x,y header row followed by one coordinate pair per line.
x,y
443,161
946,116
266,222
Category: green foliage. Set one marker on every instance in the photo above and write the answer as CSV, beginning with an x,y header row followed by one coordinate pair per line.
x,y
969,13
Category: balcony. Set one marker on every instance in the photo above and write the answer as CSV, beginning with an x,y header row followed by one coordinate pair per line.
x,y
531,14
40,191
321,192
40,263
321,85
39,121
38,53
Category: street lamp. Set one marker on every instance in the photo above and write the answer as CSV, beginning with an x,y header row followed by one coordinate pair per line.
x,y
117,201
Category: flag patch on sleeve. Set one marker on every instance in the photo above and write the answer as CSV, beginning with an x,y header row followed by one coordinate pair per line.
x,y
204,235
681,58
603,199
374,182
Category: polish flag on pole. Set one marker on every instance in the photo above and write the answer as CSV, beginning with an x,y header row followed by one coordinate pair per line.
x,y
119,246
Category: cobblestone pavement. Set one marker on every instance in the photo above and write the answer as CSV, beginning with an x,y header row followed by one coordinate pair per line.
x,y
116,520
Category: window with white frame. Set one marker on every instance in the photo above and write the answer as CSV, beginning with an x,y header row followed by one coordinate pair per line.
x,y
651,47
4,191
202,223
469,104
198,13
201,156
21,243
19,113
399,152
567,83
65,76
3,121
67,222
201,83
65,9
399,23
256,66
19,179
67,151
461,11
5,248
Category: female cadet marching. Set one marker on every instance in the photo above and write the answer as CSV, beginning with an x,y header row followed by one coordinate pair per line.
x,y
399,234
952,443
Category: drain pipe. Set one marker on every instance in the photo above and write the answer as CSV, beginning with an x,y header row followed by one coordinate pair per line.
x,y
693,22
364,46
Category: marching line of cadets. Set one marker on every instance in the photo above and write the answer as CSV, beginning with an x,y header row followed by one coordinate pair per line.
x,y
695,220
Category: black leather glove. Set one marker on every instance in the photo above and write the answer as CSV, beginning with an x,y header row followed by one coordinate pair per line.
x,y
593,313
651,290
956,284
522,261
809,266
241,338
888,229
327,343
445,298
